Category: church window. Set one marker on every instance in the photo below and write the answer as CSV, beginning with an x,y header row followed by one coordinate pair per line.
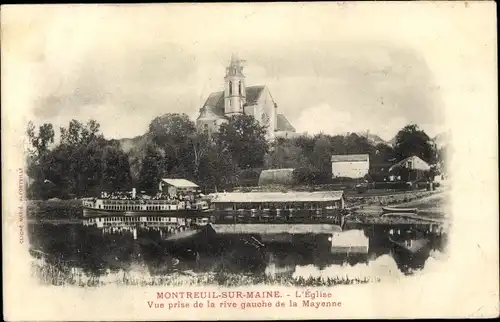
x,y
265,118
230,88
239,87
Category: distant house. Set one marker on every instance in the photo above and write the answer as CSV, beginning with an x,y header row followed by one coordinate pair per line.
x,y
175,186
414,166
350,165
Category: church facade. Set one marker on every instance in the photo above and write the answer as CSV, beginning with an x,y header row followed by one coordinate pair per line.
x,y
237,98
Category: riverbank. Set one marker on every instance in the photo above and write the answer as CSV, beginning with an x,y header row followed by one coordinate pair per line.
x,y
71,211
429,203
49,274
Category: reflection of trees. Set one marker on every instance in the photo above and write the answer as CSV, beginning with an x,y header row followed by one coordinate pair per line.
x,y
408,262
84,247
69,245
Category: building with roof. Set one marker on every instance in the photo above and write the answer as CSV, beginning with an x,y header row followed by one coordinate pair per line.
x,y
411,168
237,98
350,165
279,200
176,186
412,163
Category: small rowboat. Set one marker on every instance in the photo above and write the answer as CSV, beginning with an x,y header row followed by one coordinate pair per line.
x,y
400,210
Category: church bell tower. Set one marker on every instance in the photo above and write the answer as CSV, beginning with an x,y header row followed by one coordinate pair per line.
x,y
234,88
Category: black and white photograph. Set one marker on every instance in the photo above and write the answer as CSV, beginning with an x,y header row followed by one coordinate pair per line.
x,y
281,156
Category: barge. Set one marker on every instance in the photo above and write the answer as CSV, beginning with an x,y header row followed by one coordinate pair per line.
x,y
289,212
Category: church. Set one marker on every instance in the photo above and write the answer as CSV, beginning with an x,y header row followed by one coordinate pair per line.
x,y
237,98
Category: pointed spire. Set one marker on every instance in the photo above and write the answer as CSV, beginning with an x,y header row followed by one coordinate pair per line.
x,y
235,67
234,58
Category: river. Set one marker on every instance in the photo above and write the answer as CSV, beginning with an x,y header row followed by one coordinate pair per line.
x,y
63,241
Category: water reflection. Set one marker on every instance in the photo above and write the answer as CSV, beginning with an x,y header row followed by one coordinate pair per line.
x,y
90,250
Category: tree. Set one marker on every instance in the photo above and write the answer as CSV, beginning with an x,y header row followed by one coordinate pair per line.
x,y
172,135
306,145
217,169
284,154
382,153
356,144
39,143
171,128
151,171
83,163
245,140
38,160
201,144
410,141
115,169
322,154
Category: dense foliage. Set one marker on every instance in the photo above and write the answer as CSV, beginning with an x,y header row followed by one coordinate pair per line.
x,y
412,141
84,163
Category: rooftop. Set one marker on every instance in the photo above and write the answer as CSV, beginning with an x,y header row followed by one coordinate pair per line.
x,y
350,157
284,124
296,196
215,101
418,163
214,107
180,183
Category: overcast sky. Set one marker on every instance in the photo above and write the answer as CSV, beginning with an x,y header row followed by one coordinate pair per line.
x,y
330,67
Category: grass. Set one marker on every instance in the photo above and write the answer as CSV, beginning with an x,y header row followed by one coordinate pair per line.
x,y
49,274
388,200
429,202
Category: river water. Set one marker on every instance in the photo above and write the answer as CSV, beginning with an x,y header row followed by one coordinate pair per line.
x,y
68,243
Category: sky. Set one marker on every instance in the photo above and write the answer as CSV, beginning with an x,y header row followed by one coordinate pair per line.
x,y
331,68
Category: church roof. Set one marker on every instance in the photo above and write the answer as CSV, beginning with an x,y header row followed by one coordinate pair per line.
x,y
284,124
253,93
209,113
214,105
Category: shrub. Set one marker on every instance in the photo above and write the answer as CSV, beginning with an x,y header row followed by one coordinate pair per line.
x,y
249,177
310,176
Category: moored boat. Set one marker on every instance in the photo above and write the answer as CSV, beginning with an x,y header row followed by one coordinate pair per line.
x,y
277,215
399,210
180,207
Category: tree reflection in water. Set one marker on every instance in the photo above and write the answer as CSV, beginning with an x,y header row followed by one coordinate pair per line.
x,y
75,245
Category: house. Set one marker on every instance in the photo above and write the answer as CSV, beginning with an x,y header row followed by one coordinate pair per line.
x,y
411,168
350,165
176,186
237,98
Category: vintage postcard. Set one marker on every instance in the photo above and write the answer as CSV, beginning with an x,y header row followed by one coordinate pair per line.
x,y
249,161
